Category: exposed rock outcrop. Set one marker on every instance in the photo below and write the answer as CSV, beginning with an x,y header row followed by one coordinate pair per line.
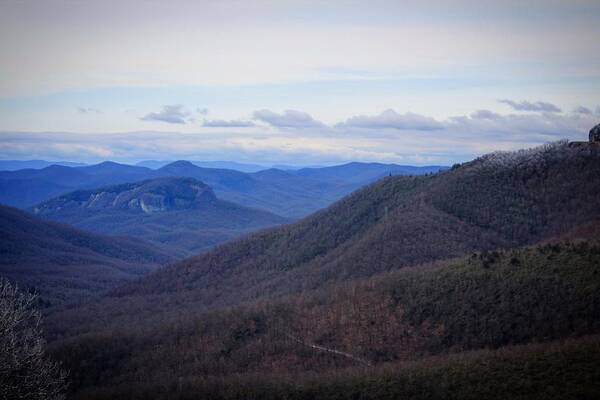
x,y
162,194
595,134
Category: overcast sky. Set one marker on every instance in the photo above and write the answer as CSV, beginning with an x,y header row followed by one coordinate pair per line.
x,y
296,82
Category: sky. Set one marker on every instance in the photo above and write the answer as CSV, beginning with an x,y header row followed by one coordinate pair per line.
x,y
294,82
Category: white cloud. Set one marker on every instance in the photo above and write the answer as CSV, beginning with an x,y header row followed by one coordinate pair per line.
x,y
392,119
582,110
524,105
455,139
485,114
86,110
287,119
172,114
220,123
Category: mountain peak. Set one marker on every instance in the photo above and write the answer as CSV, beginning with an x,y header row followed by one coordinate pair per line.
x,y
151,196
180,164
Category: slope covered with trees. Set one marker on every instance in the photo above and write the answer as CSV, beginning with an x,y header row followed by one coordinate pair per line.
x,y
370,329
65,264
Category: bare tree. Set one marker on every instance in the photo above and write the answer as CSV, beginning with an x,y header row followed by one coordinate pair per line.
x,y
25,371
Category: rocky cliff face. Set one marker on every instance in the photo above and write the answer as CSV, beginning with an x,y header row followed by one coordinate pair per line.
x,y
595,134
147,197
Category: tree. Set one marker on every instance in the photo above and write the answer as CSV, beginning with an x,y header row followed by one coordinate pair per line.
x,y
25,370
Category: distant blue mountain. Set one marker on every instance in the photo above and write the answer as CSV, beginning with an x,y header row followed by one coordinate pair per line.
x,y
13,165
154,164
360,173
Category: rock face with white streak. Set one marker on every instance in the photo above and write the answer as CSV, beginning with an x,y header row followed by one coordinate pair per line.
x,y
153,196
182,213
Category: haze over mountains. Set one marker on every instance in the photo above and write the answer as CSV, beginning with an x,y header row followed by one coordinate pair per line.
x,y
14,165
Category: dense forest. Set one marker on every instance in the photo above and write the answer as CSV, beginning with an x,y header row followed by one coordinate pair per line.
x,y
368,331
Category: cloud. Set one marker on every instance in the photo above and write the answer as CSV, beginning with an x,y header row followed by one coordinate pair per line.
x,y
172,114
392,119
219,123
288,119
582,110
520,127
478,127
455,139
485,114
202,111
524,105
85,110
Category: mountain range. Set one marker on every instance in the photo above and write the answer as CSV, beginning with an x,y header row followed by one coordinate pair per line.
x,y
287,193
14,165
396,290
502,200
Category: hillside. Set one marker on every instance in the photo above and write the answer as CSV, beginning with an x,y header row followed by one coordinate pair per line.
x,y
286,193
66,264
416,324
500,200
182,213
359,173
